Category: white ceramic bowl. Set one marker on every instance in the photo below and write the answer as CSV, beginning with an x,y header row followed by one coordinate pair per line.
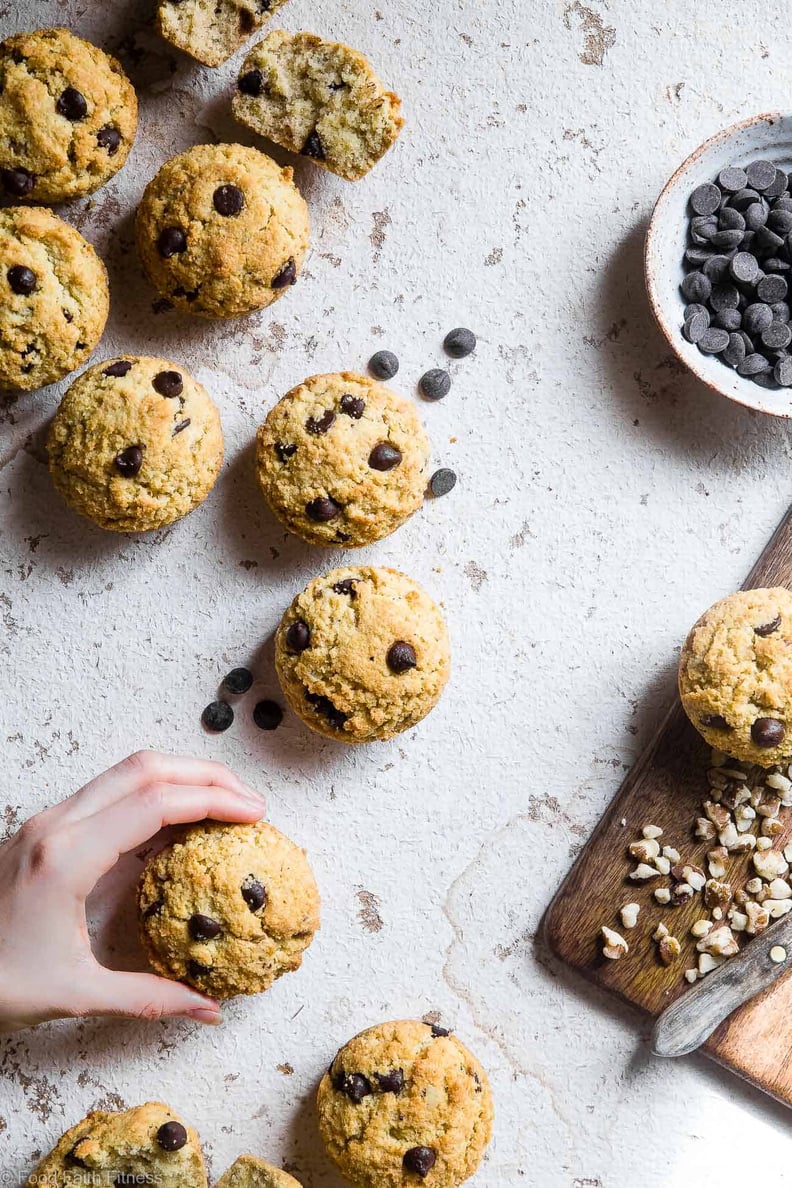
x,y
765,136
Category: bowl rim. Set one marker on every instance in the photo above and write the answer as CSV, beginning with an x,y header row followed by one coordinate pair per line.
x,y
671,333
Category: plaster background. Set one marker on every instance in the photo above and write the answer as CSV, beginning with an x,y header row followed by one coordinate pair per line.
x,y
604,500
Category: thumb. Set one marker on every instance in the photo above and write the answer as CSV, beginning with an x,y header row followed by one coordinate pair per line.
x,y
145,996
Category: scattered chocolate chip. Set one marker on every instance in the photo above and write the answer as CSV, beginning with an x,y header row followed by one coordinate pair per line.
x,y
322,510
228,200
172,1136
320,425
187,294
356,1087
285,452
72,104
217,716
346,586
72,1158
460,342
439,1032
401,657
715,722
390,1082
196,970
22,280
441,482
253,893
384,456
286,276
129,461
109,138
313,147
768,732
267,715
203,928
168,383
298,636
68,315
384,365
768,628
17,183
171,241
246,22
435,384
238,680
420,1160
353,406
324,706
182,425
153,909
119,368
252,82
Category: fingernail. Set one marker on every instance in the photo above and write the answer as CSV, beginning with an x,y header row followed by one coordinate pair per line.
x,y
252,794
202,1015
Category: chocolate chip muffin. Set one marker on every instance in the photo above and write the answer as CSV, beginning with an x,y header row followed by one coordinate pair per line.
x,y
145,1145
212,30
362,654
54,298
228,909
735,676
250,1172
342,460
405,1103
135,444
222,230
68,116
318,98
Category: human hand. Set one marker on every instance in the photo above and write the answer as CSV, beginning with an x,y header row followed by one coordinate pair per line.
x,y
48,869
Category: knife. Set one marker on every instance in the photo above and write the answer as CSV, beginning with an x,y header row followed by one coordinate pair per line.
x,y
688,1022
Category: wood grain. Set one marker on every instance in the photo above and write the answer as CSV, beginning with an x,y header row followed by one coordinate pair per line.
x,y
666,787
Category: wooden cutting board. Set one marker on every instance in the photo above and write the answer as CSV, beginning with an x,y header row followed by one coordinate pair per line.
x,y
666,788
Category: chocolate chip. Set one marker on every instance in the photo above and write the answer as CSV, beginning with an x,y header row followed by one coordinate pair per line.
x,y
238,680
187,294
384,456
439,1032
435,384
384,364
732,179
322,424
196,970
401,657
420,1160
252,82
346,586
246,22
353,406
22,280
172,1136
313,147
171,241
768,732
168,383
390,1082
286,276
768,628
323,509
109,138
182,425
298,636
253,893
72,104
324,706
228,200
72,1158
217,716
356,1087
460,342
285,451
705,199
154,909
17,183
715,722
267,715
761,174
441,482
129,461
117,369
203,928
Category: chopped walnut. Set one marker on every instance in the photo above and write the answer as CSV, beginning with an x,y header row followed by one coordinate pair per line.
x,y
780,889
717,894
643,872
718,815
695,876
717,913
738,920
614,946
770,863
662,895
707,962
671,854
771,827
651,831
681,893
701,927
629,914
669,949
691,975
644,850
716,861
662,864
660,932
719,943
770,806
758,918
744,817
744,843
763,843
778,907
729,837
705,830
753,885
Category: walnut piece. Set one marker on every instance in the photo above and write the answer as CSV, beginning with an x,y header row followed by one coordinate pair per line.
x,y
614,946
669,949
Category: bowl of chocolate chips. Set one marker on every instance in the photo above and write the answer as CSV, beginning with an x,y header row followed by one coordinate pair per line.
x,y
719,263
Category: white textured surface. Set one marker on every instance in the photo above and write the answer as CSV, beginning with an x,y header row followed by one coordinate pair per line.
x,y
604,500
